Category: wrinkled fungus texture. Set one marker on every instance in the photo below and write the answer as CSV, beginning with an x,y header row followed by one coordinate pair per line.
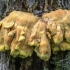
x,y
58,25
22,33
39,39
16,29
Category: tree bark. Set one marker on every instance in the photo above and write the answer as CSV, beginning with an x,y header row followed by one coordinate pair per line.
x,y
37,7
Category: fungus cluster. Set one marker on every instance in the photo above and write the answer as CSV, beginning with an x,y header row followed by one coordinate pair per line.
x,y
22,33
58,26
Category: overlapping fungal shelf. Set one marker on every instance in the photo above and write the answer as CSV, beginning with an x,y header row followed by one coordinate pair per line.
x,y
58,25
22,33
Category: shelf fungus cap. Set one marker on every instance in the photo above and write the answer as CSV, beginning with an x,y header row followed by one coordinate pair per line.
x,y
44,50
9,25
2,48
64,46
21,38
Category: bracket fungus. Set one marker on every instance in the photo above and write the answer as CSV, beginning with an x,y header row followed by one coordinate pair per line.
x,y
22,33
39,39
58,24
16,29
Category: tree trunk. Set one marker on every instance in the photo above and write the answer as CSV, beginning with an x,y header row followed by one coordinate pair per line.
x,y
37,7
